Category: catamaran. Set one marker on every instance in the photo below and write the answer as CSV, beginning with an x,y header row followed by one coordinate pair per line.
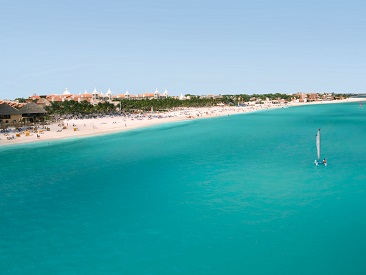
x,y
319,161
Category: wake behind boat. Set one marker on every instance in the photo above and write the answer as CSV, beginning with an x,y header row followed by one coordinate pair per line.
x,y
319,161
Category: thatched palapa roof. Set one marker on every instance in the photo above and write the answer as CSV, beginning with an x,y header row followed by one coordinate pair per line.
x,y
32,108
5,109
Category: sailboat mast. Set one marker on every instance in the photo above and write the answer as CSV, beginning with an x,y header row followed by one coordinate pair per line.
x,y
318,143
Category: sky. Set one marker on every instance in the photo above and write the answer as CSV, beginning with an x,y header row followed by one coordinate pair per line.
x,y
187,46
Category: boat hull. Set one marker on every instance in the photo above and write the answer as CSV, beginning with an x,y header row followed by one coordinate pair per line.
x,y
319,162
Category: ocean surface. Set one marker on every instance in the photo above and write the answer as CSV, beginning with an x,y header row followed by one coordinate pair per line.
x,y
230,195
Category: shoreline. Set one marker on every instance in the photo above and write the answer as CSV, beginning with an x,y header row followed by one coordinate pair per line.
x,y
80,128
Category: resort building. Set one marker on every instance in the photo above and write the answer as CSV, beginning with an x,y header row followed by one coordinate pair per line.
x,y
327,97
95,97
9,116
43,102
32,113
313,97
144,96
108,95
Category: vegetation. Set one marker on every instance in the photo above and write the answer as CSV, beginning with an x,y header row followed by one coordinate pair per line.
x,y
166,103
126,105
79,108
21,100
245,98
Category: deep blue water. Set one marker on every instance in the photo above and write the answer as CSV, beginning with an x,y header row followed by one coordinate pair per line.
x,y
230,195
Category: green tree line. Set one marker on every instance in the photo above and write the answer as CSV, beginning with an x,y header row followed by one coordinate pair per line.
x,y
127,105
166,103
83,108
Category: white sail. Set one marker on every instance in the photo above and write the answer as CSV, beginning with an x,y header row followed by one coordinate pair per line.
x,y
318,143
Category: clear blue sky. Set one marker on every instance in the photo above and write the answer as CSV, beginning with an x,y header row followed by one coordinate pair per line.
x,y
187,46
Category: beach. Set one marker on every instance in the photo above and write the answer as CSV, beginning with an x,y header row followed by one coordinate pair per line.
x,y
75,128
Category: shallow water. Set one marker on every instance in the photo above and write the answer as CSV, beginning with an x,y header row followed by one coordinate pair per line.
x,y
230,195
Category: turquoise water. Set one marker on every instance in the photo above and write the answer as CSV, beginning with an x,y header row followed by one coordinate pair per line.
x,y
231,195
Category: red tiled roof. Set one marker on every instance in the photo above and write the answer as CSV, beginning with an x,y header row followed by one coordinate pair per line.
x,y
56,99
119,96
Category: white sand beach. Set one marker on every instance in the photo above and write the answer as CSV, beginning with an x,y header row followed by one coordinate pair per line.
x,y
75,128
